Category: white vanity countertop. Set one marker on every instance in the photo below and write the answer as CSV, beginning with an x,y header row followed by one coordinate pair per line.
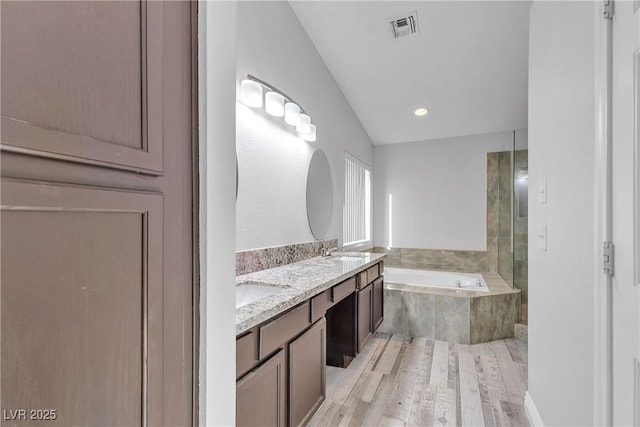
x,y
299,281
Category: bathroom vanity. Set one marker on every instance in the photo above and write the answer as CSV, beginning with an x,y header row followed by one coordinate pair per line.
x,y
324,311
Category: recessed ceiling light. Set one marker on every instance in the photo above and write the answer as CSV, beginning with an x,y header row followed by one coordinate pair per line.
x,y
421,112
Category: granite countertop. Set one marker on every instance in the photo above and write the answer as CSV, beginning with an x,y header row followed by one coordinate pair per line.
x,y
299,281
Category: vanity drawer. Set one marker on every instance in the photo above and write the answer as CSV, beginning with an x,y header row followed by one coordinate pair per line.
x,y
362,279
282,329
373,273
246,352
341,290
320,304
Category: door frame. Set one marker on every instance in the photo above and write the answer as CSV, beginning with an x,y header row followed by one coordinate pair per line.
x,y
195,220
602,326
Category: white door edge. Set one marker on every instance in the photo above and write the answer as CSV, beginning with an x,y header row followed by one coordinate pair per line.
x,y
603,345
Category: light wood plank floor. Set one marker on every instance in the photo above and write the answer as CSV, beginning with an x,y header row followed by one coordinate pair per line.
x,y
403,381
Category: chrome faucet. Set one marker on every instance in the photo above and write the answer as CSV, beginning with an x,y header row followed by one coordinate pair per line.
x,y
327,252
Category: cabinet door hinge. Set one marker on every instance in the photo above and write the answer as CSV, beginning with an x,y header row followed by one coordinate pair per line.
x,y
607,258
607,9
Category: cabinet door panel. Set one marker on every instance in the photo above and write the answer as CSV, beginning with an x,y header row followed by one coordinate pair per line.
x,y
90,92
260,395
81,272
378,303
246,352
364,316
82,81
307,360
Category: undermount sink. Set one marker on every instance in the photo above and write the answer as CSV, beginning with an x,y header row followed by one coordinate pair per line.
x,y
346,258
249,292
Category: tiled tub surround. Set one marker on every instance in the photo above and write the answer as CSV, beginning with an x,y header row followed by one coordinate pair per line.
x,y
300,281
436,259
253,260
464,317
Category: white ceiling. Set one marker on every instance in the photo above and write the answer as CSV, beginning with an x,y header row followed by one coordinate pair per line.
x,y
468,65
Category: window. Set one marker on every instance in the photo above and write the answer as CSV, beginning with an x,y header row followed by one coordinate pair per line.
x,y
357,202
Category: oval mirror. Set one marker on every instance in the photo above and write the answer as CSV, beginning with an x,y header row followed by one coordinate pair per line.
x,y
319,195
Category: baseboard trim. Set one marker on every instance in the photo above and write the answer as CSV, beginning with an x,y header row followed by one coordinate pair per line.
x,y
532,412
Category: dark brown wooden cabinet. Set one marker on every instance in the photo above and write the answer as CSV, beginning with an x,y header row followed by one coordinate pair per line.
x,y
260,395
281,362
378,302
307,360
98,151
370,303
365,326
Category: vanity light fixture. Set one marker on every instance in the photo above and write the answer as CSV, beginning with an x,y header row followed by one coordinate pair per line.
x,y
278,104
421,112
274,104
251,93
304,127
291,113
311,136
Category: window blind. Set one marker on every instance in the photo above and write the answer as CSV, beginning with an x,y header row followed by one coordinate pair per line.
x,y
357,202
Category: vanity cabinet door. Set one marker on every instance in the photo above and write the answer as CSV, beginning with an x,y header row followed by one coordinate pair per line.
x,y
260,395
378,303
365,327
307,360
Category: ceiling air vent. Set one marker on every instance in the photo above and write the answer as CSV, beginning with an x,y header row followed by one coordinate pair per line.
x,y
404,25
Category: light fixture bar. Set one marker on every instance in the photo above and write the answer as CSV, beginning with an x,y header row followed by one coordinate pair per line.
x,y
275,89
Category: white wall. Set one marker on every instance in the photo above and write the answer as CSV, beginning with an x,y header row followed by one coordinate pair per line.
x,y
561,149
216,68
438,190
272,160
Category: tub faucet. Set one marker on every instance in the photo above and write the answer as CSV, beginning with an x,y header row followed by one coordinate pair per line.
x,y
458,283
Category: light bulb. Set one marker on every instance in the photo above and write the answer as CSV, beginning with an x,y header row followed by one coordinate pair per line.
x,y
311,136
304,127
274,104
291,113
251,93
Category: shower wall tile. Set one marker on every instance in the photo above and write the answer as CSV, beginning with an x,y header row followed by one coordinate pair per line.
x,y
467,261
520,253
520,275
492,194
492,253
420,258
393,255
436,259
253,260
505,191
521,239
505,259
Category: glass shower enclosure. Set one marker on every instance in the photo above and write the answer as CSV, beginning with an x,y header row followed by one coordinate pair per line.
x,y
513,204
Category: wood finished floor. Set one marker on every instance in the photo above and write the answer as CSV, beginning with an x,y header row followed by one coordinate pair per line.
x,y
402,381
